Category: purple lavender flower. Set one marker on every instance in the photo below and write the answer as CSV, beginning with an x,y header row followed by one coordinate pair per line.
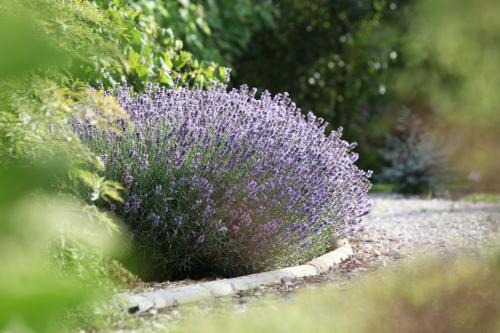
x,y
133,153
197,203
235,229
209,160
246,219
178,220
144,162
135,202
126,207
158,190
127,181
156,219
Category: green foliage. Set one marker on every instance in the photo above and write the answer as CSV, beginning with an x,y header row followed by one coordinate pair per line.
x,y
457,62
143,31
102,41
39,94
429,296
113,41
35,293
72,34
382,188
47,51
90,267
482,197
231,24
215,30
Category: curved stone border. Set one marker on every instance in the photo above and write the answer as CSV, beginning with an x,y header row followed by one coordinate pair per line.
x,y
163,298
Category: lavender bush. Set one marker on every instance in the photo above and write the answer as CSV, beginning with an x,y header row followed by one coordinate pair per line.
x,y
223,182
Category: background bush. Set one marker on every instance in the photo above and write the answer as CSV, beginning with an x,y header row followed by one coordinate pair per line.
x,y
230,27
417,162
223,182
452,74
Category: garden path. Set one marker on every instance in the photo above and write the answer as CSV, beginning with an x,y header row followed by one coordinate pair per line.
x,y
399,227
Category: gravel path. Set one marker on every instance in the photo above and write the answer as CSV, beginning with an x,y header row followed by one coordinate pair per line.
x,y
400,227
396,228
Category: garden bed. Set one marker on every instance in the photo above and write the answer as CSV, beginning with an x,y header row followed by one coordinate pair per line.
x,y
177,295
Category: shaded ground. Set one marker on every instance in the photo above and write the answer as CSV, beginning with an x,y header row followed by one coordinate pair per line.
x,y
396,229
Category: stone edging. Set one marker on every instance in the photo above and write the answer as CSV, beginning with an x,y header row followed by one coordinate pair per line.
x,y
167,297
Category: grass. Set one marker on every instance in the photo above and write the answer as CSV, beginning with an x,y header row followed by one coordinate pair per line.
x,y
482,197
382,188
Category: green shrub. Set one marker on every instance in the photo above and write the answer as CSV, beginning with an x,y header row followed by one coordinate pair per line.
x,y
46,46
231,24
36,294
143,32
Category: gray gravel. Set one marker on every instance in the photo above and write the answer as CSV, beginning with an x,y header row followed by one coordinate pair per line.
x,y
396,229
400,227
